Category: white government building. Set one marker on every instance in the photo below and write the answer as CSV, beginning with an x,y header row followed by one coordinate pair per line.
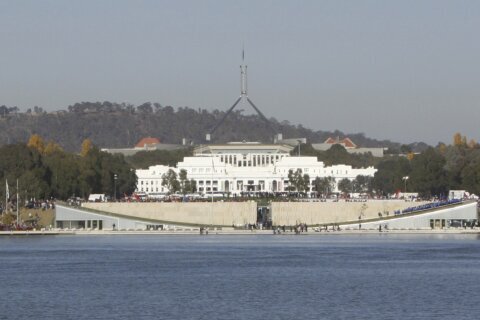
x,y
244,167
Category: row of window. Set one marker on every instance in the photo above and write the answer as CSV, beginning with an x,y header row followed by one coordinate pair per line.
x,y
248,163
253,160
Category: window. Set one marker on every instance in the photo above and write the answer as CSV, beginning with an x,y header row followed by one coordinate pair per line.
x,y
250,181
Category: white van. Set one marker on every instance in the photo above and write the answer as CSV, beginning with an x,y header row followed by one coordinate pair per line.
x,y
97,197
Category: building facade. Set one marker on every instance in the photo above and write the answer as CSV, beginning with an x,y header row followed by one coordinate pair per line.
x,y
239,168
349,145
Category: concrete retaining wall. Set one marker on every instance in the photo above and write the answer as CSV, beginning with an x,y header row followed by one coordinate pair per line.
x,y
466,211
198,213
312,213
240,213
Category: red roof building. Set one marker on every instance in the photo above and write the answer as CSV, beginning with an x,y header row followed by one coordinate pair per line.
x,y
147,142
346,142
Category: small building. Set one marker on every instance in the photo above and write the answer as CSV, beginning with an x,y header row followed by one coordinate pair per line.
x,y
147,144
349,145
73,218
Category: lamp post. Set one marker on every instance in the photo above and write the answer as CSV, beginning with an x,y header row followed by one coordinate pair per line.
x,y
405,181
211,189
115,177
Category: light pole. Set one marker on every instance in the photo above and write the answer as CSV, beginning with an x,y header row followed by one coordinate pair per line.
x,y
115,177
211,189
405,181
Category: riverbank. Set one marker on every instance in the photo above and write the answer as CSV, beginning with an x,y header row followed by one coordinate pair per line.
x,y
231,232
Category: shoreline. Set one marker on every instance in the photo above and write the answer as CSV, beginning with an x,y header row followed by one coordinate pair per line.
x,y
236,232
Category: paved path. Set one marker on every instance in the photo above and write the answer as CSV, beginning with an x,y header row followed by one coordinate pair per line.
x,y
233,232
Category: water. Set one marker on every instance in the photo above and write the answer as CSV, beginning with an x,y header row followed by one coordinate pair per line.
x,y
240,277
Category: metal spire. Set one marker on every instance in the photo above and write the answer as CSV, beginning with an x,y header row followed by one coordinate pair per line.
x,y
243,95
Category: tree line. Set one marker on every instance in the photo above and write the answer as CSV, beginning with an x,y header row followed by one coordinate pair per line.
x,y
44,170
122,125
432,172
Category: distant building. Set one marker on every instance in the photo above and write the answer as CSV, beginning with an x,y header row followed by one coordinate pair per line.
x,y
349,145
147,144
245,167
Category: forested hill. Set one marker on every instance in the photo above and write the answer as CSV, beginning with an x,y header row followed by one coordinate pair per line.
x,y
114,125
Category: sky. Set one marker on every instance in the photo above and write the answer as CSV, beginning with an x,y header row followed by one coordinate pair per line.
x,y
400,70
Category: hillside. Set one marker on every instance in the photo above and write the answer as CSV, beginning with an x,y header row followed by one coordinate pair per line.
x,y
113,125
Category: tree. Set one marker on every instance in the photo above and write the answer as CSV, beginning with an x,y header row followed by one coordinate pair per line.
x,y
362,183
86,147
190,186
442,148
428,176
324,185
297,181
405,149
304,183
52,148
472,144
144,159
169,180
388,178
184,182
457,139
145,108
337,154
345,186
36,142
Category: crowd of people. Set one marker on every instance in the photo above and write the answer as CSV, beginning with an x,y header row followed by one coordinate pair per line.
x,y
427,206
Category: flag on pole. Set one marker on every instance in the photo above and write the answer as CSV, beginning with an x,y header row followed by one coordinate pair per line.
x,y
7,193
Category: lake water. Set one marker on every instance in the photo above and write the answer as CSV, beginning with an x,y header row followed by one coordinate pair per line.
x,y
240,277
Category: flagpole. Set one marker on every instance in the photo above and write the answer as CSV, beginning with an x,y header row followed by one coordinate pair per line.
x,y
6,196
17,202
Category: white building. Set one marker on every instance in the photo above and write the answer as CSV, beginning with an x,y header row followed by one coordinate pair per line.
x,y
242,167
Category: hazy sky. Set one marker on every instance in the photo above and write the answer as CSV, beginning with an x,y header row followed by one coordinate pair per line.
x,y
401,70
